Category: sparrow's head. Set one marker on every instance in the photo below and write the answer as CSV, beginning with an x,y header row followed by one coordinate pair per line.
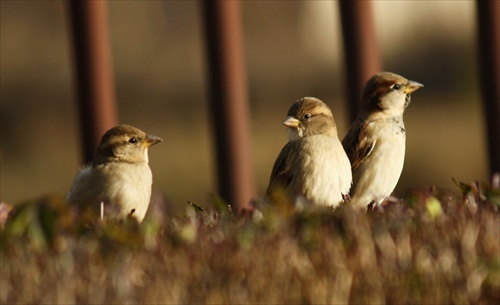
x,y
124,143
309,116
388,92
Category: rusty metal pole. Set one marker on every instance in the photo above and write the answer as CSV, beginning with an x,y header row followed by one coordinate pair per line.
x,y
228,101
360,48
488,31
94,77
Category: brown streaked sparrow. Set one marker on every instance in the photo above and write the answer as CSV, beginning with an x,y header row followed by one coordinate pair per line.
x,y
312,165
375,142
117,183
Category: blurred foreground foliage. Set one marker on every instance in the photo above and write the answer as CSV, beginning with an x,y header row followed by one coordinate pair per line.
x,y
435,247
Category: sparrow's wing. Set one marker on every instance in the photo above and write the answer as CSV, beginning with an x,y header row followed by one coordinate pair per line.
x,y
357,145
281,175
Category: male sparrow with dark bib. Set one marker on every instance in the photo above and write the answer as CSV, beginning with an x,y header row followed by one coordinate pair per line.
x,y
375,143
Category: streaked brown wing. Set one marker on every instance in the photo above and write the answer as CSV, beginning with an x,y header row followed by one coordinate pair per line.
x,y
357,146
281,175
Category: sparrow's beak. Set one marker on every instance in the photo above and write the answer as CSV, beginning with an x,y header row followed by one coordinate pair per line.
x,y
291,122
151,140
412,87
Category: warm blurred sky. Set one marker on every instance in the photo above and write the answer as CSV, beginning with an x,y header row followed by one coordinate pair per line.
x,y
292,49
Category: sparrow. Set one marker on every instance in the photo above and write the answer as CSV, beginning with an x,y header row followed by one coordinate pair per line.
x,y
312,165
375,143
117,183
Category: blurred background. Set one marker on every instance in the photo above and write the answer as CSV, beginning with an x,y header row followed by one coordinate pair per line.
x,y
292,49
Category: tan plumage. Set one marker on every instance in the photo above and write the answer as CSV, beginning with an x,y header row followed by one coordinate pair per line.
x,y
119,177
375,143
312,165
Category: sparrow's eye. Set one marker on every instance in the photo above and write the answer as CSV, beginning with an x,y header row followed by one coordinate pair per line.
x,y
132,140
307,116
396,87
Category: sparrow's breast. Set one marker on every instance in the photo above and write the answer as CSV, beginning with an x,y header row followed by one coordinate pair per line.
x,y
378,174
129,188
327,170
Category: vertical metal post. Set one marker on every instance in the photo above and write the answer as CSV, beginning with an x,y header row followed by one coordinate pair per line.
x,y
360,48
488,31
228,101
94,77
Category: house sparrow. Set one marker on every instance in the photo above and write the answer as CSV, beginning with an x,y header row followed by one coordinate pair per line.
x,y
375,142
312,165
118,182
